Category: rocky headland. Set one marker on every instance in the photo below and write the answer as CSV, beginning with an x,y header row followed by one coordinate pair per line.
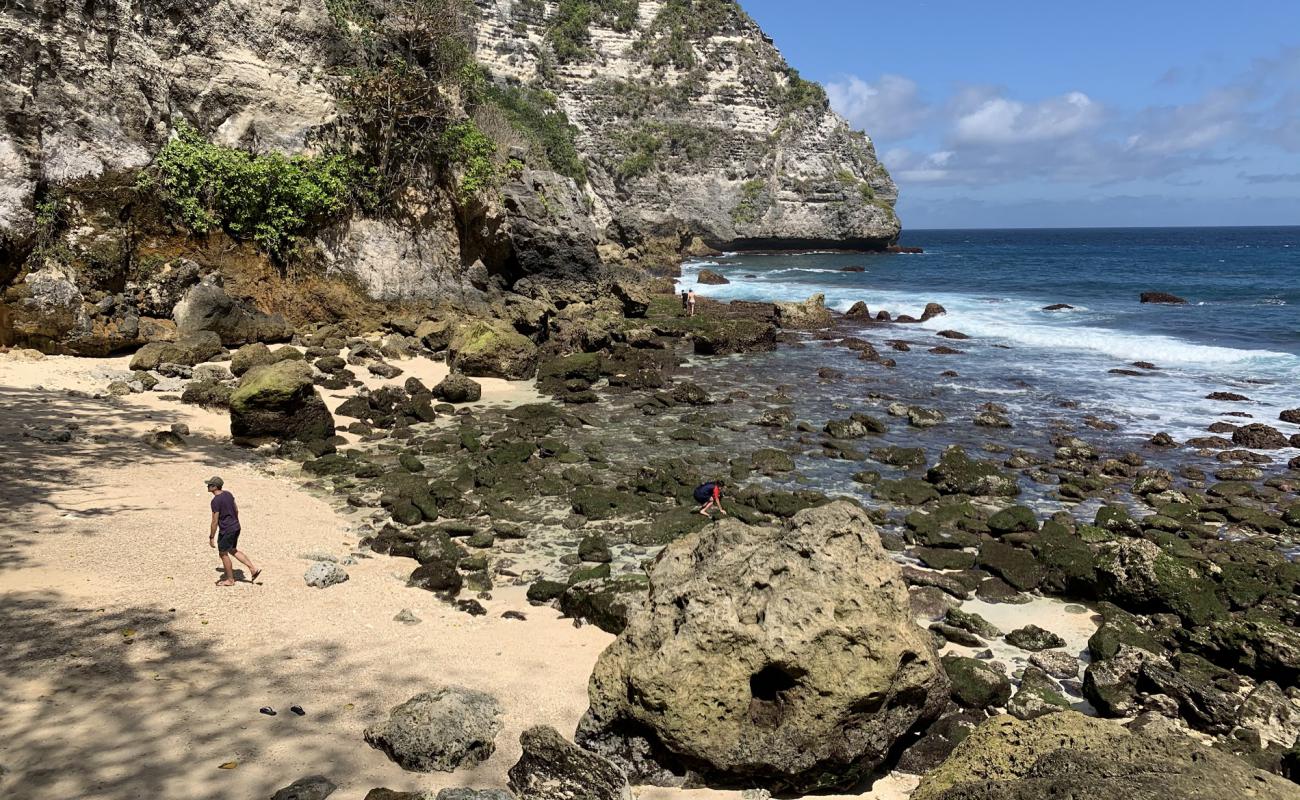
x,y
447,361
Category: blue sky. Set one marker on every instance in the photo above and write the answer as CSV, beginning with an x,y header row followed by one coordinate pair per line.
x,y
1011,113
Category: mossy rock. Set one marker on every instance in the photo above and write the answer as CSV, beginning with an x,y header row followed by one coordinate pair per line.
x,y
944,558
1119,627
958,473
907,491
543,591
595,502
606,603
771,461
668,527
589,573
555,373
1016,519
492,349
975,684
1014,565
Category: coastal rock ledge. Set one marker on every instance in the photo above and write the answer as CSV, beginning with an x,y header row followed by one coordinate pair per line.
x,y
781,657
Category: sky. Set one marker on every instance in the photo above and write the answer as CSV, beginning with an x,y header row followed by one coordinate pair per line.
x,y
1051,113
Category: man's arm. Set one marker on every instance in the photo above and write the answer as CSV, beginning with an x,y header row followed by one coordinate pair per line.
x,y
212,531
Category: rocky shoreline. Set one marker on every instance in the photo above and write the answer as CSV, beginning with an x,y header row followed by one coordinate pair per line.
x,y
1191,610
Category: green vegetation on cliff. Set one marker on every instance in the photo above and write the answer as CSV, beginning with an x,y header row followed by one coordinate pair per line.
x,y
570,27
535,114
271,199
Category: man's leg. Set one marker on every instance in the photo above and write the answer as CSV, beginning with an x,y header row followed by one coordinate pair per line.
x,y
243,559
707,506
230,572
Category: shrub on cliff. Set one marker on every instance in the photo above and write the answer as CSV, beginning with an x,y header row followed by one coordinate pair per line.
x,y
271,199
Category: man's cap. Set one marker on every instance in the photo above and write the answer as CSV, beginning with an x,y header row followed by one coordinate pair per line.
x,y
216,481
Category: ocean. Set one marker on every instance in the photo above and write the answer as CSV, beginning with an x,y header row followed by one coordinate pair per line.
x,y
1239,331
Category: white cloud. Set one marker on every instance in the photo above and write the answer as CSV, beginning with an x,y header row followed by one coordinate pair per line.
x,y
890,108
1001,121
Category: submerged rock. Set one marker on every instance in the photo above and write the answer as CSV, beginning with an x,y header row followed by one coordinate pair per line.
x,y
785,656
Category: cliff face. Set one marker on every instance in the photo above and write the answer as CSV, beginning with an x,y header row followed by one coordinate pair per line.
x,y
686,122
692,123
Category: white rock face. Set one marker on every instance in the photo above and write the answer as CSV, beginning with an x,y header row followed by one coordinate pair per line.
x,y
92,88
729,149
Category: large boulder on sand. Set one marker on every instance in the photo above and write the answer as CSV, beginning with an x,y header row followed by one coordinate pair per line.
x,y
1067,754
207,307
190,349
279,400
441,730
811,313
785,657
484,349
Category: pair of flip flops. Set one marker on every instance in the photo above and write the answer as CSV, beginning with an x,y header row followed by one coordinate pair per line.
x,y
271,712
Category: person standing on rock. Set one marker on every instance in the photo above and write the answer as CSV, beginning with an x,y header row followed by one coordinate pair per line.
x,y
710,494
224,532
690,303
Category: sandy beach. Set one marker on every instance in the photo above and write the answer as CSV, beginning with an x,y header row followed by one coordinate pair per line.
x,y
125,672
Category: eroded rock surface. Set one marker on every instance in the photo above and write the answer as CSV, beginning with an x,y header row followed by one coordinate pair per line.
x,y
785,656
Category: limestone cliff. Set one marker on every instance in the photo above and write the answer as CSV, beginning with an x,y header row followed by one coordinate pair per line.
x,y
690,121
653,123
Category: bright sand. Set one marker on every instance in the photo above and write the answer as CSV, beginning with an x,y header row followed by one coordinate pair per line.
x,y
125,672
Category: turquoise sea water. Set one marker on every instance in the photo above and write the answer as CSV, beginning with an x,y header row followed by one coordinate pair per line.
x,y
1239,332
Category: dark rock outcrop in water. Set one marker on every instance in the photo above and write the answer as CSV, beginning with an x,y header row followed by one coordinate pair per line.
x,y
780,656
710,278
1162,298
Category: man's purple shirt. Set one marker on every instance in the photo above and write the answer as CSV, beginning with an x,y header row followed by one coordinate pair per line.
x,y
223,505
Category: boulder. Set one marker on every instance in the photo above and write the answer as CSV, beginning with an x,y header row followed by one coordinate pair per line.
x,y
190,349
551,768
313,787
931,311
635,298
1069,755
491,349
324,574
858,312
458,389
259,355
441,730
782,656
1033,638
1291,415
808,315
1258,436
958,473
976,684
710,278
279,400
1162,298
207,307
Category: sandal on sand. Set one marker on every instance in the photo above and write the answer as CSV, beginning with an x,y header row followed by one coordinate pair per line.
x,y
267,710
225,583
298,710
256,572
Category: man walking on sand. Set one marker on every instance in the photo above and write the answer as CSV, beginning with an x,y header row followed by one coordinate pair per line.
x,y
224,533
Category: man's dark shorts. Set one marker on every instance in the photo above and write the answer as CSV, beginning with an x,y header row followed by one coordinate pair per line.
x,y
227,542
